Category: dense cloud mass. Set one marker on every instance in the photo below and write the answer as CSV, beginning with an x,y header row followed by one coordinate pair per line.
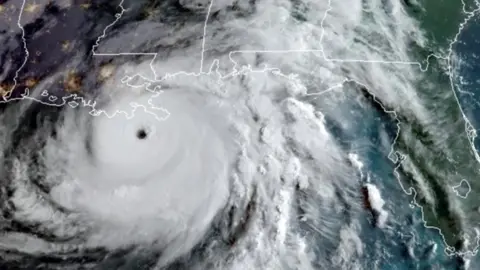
x,y
221,152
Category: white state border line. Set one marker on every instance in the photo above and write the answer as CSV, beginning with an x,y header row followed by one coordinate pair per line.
x,y
471,132
27,55
74,98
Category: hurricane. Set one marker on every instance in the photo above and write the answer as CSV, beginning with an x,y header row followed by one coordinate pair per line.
x,y
231,134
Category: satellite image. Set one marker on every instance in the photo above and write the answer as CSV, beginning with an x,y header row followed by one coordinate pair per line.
x,y
239,134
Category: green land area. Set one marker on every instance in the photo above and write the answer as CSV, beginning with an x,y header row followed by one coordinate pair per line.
x,y
438,152
441,18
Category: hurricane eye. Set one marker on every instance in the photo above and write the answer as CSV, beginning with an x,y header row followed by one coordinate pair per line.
x,y
142,134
